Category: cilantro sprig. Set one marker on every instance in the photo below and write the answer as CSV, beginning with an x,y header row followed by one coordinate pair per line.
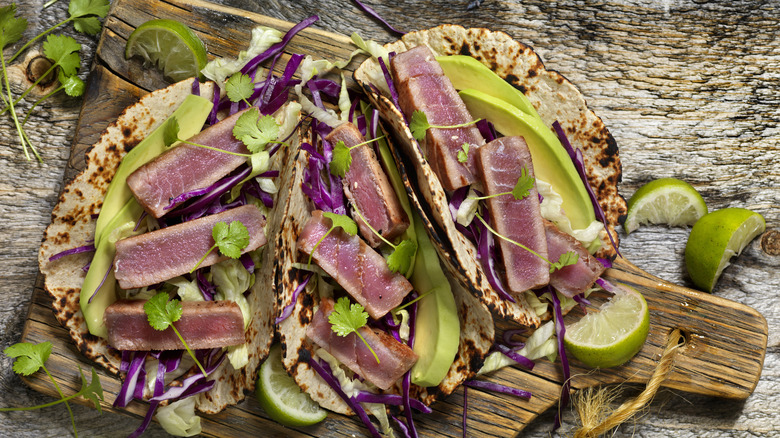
x,y
256,131
348,318
522,188
240,87
60,50
342,156
162,313
566,259
337,221
463,153
419,125
229,238
400,260
29,358
171,136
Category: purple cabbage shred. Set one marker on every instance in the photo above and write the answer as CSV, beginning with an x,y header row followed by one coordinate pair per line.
x,y
370,11
276,48
520,359
67,252
496,387
287,311
560,332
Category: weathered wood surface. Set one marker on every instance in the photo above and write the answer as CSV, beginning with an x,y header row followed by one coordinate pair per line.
x,y
688,90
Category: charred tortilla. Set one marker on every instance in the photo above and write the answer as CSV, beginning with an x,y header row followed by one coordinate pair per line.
x,y
73,225
476,336
555,99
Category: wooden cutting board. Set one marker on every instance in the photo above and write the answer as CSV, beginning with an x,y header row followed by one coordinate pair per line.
x,y
724,342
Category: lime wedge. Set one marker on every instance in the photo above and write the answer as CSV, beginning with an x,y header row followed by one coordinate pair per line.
x,y
614,334
715,238
281,397
666,201
171,46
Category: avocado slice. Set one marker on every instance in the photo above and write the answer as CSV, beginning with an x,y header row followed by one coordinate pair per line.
x,y
191,114
120,226
551,162
466,72
437,328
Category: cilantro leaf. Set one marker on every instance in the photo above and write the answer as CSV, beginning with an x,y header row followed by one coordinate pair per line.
x,y
62,51
524,185
342,221
91,391
239,87
85,13
346,319
255,131
29,357
566,259
11,27
463,153
419,124
403,255
171,131
73,86
230,239
342,159
162,313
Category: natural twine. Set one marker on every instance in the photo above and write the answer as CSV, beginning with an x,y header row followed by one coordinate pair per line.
x,y
592,427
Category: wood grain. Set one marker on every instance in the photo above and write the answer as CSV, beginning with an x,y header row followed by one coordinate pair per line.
x,y
688,89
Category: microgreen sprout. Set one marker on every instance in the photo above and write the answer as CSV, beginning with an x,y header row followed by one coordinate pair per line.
x,y
521,189
342,156
419,125
29,358
230,239
400,260
346,319
338,221
566,259
162,313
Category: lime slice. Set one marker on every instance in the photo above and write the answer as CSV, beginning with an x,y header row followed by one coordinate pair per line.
x,y
171,46
664,201
717,237
612,335
281,397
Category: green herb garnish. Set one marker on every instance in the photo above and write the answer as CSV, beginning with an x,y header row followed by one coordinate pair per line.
x,y
342,156
240,87
521,190
29,358
338,221
162,313
256,131
566,259
230,239
400,260
463,153
346,319
419,125
171,136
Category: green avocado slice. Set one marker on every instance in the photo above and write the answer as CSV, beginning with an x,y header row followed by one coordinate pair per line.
x,y
466,72
437,328
550,160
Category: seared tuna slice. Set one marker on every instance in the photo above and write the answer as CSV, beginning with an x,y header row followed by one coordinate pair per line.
x,y
417,61
359,269
186,168
150,258
367,186
427,89
500,164
573,279
203,324
395,358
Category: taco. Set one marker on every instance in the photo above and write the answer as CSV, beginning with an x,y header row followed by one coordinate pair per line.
x,y
158,246
321,268
448,169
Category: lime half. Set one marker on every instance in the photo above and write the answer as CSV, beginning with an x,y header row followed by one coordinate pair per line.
x,y
666,201
171,46
717,237
612,335
281,397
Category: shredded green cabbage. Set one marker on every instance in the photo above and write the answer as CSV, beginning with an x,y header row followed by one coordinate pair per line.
x,y
187,290
220,69
178,418
552,210
232,280
541,343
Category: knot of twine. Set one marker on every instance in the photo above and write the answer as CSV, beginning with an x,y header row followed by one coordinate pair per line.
x,y
629,408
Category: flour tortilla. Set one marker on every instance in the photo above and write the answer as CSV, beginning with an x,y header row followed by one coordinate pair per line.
x,y
73,225
477,330
553,96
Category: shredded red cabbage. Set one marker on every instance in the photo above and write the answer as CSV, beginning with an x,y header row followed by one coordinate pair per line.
x,y
496,387
80,249
207,289
487,130
102,282
509,334
607,286
560,332
323,369
607,263
402,426
247,261
579,163
390,84
134,368
391,399
407,380
287,311
515,356
196,87
367,9
214,192
582,301
276,48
